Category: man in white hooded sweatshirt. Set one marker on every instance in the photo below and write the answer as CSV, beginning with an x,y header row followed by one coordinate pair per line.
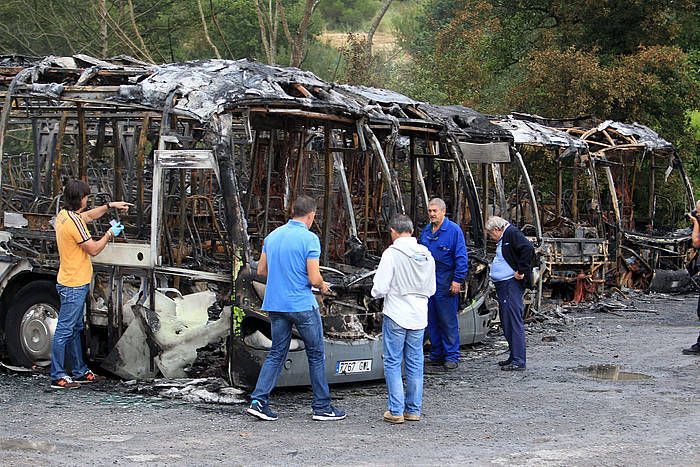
x,y
405,279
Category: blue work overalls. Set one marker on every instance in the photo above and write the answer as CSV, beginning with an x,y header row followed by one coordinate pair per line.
x,y
449,250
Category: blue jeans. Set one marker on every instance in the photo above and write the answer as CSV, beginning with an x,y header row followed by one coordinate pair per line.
x,y
510,305
443,328
308,324
67,348
403,345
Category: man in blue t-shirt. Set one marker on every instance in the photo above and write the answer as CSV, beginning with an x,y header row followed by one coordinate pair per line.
x,y
290,260
445,240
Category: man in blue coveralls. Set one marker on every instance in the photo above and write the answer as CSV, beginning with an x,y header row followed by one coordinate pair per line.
x,y
445,241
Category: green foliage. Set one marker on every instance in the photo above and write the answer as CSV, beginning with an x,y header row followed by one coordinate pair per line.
x,y
695,123
45,26
347,15
322,60
628,60
171,30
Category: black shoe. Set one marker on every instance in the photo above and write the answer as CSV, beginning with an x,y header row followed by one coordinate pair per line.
x,y
511,367
692,350
429,362
451,366
89,377
66,382
263,412
331,414
505,362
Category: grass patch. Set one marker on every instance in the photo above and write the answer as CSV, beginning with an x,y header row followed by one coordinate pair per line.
x,y
695,123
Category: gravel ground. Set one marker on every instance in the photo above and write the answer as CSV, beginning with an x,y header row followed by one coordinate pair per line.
x,y
548,415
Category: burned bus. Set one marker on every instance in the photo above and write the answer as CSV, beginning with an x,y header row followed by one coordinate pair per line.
x,y
645,194
212,153
598,225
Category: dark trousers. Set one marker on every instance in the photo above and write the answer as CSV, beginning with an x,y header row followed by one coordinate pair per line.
x,y
443,328
510,305
697,344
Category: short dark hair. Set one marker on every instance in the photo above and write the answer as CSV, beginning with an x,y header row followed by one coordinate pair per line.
x,y
401,223
73,194
303,205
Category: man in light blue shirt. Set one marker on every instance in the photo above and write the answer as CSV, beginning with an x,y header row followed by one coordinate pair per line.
x,y
511,273
500,269
290,261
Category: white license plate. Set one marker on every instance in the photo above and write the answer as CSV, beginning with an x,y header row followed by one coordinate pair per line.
x,y
345,367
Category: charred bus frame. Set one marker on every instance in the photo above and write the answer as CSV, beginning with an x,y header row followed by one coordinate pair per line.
x,y
211,153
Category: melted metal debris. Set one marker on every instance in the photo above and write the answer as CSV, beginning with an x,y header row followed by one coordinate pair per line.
x,y
643,134
207,87
370,95
18,60
528,132
199,390
463,120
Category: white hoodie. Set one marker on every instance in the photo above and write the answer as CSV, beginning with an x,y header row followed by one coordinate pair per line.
x,y
405,279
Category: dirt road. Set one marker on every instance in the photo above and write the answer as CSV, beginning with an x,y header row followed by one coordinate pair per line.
x,y
549,415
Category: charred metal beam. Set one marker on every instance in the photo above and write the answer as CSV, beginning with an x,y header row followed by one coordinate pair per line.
x,y
269,160
235,217
58,156
531,192
82,144
140,167
386,173
328,157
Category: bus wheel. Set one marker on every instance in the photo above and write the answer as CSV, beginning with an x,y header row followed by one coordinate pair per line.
x,y
30,323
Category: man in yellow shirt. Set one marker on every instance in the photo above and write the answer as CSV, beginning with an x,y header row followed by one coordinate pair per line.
x,y
75,246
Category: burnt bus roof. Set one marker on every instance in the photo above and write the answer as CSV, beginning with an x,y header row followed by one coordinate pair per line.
x,y
207,87
626,135
614,135
529,132
467,123
388,110
204,88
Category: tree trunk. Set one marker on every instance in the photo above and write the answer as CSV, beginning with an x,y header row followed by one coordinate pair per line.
x,y
205,29
104,32
375,25
299,43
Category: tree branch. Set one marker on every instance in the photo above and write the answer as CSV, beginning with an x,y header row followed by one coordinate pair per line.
x,y
218,28
299,43
124,37
285,25
205,29
136,31
263,32
373,29
376,21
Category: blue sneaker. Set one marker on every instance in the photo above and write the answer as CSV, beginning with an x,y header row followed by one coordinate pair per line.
x,y
263,412
331,414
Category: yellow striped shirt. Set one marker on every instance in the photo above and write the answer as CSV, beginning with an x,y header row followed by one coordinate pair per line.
x,y
75,267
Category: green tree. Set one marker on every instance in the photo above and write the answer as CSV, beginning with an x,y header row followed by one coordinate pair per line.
x,y
159,31
347,15
621,59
